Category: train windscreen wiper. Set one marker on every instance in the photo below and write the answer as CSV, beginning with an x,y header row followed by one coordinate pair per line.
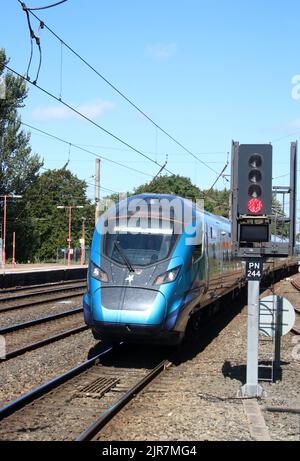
x,y
124,257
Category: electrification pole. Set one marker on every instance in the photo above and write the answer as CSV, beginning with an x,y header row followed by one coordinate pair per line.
x,y
83,242
5,197
4,234
70,207
14,250
97,190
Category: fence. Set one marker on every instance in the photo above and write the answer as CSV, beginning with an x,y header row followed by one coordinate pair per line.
x,y
62,256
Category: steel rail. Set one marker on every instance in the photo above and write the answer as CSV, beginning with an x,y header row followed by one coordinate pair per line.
x,y
40,301
42,292
44,342
295,285
39,391
295,411
32,323
41,285
107,415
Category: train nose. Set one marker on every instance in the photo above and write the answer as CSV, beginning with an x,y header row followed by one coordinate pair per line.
x,y
130,305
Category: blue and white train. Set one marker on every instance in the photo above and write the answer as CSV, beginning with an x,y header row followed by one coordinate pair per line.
x,y
146,280
156,260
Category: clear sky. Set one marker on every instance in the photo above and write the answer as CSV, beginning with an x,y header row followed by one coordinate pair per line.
x,y
206,71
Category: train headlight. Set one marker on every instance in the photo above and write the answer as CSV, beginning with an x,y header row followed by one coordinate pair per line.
x,y
98,273
168,277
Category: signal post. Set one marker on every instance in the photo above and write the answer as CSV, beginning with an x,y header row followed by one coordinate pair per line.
x,y
251,212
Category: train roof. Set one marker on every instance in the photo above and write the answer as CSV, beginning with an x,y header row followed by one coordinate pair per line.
x,y
122,209
149,196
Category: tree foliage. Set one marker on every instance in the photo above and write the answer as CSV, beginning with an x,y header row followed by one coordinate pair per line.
x,y
18,166
40,227
45,223
215,201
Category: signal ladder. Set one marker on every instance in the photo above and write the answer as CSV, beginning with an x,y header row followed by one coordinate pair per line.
x,y
270,328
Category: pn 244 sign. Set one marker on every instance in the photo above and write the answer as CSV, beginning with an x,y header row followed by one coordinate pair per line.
x,y
254,269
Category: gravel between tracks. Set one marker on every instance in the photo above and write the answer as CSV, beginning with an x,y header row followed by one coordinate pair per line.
x,y
186,402
36,333
286,393
196,399
66,411
41,310
21,374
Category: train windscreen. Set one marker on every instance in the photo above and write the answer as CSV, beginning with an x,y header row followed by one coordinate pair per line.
x,y
141,249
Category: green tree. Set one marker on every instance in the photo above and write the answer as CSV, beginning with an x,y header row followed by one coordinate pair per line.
x,y
279,226
18,166
215,201
45,227
175,184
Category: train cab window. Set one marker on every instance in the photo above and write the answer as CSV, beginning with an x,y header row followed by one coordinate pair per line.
x,y
140,249
197,253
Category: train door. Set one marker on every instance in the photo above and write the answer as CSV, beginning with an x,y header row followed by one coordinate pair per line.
x,y
214,249
199,263
219,247
206,258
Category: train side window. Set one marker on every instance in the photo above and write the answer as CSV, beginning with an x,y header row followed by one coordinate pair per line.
x,y
213,233
197,253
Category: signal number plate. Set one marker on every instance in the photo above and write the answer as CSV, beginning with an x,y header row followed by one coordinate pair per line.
x,y
254,269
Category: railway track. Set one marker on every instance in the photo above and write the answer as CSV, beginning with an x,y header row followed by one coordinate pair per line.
x,y
28,336
24,289
45,294
79,403
296,327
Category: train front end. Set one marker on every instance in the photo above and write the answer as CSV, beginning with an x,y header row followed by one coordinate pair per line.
x,y
137,278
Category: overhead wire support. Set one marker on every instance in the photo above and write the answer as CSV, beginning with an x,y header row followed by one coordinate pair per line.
x,y
220,175
125,97
37,39
161,169
117,138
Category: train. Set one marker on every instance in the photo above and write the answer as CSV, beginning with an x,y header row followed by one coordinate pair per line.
x,y
156,259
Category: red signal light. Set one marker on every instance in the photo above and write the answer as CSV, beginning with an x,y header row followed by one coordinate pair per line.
x,y
255,205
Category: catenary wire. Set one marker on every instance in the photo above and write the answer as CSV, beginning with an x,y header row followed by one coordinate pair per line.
x,y
85,150
117,138
46,7
127,98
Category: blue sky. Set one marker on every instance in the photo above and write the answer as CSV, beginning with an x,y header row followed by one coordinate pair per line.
x,y
206,71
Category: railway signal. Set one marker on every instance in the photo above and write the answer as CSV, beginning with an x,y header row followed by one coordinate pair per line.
x,y
251,216
252,194
252,198
255,179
